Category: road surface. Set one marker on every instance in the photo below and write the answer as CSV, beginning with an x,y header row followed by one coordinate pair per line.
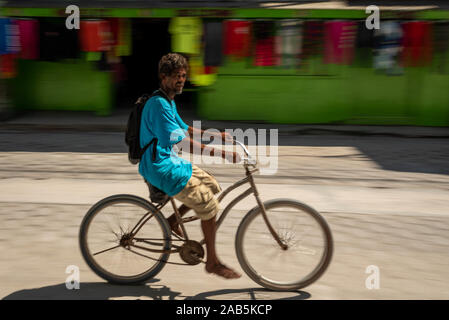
x,y
386,200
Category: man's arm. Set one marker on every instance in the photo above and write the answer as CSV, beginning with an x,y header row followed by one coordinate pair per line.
x,y
222,135
199,148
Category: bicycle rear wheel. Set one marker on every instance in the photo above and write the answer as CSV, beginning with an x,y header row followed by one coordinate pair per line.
x,y
306,233
106,248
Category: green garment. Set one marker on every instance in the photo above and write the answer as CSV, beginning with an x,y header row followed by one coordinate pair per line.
x,y
186,34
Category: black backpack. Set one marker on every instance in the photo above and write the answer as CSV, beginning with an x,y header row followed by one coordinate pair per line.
x,y
132,139
132,135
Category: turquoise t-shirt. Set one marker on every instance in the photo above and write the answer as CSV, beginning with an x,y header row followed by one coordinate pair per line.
x,y
168,172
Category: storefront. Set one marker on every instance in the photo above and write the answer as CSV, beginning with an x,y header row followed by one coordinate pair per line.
x,y
283,65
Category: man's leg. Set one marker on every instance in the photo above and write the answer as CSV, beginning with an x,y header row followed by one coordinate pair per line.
x,y
174,225
213,265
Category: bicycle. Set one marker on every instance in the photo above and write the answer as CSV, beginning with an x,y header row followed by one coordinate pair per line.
x,y
282,227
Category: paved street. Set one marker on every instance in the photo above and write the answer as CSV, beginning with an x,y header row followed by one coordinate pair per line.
x,y
386,200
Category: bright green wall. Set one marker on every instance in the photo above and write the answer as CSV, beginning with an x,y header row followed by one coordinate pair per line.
x,y
345,94
70,85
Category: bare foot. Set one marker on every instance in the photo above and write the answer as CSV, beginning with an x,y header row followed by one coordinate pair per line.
x,y
175,227
222,271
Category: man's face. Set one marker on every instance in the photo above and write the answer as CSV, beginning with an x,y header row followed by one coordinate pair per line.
x,y
175,82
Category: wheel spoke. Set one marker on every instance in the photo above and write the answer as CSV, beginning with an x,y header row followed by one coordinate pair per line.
x,y
305,233
142,255
110,221
151,242
106,250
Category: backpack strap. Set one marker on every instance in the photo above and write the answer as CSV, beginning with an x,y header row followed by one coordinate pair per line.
x,y
154,142
160,93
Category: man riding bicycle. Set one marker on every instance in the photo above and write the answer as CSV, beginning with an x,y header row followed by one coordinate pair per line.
x,y
175,176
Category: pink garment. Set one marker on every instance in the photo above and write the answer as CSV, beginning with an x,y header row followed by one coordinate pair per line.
x,y
265,52
339,42
29,38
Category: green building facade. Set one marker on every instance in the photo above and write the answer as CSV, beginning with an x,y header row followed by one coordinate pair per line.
x,y
320,93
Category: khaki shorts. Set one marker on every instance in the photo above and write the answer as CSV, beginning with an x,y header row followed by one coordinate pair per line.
x,y
199,192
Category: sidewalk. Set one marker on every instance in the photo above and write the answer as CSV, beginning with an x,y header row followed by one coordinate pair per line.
x,y
87,121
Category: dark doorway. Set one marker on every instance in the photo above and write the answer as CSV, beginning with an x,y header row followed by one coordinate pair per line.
x,y
150,41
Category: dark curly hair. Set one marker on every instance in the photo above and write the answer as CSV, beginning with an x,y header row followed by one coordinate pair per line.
x,y
171,63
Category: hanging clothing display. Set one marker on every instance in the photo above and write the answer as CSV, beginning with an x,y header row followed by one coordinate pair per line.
x,y
264,34
9,36
339,42
186,33
387,42
29,38
417,43
213,43
96,35
288,42
56,41
237,38
313,37
264,54
199,74
122,36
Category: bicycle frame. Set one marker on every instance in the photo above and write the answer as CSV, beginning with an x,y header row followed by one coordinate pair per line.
x,y
191,252
252,189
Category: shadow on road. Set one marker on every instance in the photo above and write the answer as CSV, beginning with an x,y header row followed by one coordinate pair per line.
x,y
97,291
421,155
149,291
250,294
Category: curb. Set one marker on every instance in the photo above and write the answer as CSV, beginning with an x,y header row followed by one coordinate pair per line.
x,y
61,128
322,131
319,130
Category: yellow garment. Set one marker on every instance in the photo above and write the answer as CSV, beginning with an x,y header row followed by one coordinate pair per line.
x,y
197,75
186,34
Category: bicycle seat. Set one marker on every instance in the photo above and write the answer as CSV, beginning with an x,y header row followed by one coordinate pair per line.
x,y
156,195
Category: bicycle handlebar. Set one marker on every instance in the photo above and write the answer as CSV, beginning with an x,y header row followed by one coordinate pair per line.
x,y
243,147
249,158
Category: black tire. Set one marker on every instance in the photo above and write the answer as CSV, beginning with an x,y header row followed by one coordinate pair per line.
x,y
252,259
96,213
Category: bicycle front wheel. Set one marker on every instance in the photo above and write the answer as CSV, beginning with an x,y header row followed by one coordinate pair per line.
x,y
301,228
109,250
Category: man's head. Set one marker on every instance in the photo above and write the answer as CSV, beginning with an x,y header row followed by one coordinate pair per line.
x,y
173,69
